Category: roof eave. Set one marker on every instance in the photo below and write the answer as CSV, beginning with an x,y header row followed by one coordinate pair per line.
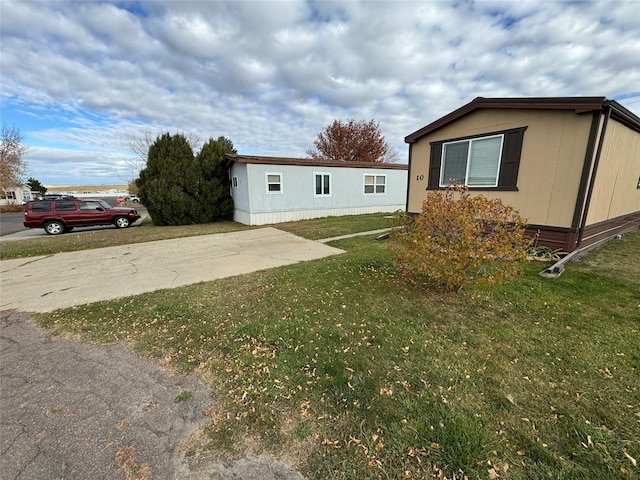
x,y
305,162
577,104
624,116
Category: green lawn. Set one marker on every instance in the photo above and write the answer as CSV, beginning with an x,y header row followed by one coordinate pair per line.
x,y
349,371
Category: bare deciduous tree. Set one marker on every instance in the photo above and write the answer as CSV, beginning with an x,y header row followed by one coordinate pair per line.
x,y
139,145
12,164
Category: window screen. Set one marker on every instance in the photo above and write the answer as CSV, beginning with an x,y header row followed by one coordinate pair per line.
x,y
475,163
274,183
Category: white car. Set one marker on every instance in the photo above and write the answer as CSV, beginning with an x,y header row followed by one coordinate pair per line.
x,y
132,198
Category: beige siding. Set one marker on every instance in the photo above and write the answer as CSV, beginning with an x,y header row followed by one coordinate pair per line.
x,y
615,191
418,175
553,153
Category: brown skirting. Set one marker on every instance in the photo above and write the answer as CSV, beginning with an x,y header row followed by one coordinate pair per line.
x,y
564,239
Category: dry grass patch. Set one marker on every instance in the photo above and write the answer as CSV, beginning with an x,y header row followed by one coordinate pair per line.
x,y
125,459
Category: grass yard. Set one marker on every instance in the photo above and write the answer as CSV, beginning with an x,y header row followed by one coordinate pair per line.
x,y
343,368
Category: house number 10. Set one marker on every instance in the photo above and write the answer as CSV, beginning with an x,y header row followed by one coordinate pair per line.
x,y
419,177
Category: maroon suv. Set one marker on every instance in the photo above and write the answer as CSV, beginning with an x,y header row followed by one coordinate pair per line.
x,y
62,215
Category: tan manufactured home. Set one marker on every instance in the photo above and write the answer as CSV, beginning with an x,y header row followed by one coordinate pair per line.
x,y
571,166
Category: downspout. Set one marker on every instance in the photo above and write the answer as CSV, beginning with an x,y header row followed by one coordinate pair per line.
x,y
594,171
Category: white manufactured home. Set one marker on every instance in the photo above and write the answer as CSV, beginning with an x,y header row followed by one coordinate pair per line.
x,y
273,190
15,195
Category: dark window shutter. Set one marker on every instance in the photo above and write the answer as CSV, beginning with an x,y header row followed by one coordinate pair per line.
x,y
434,166
511,151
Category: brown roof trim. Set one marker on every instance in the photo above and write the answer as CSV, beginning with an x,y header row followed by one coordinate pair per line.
x,y
624,116
577,104
306,162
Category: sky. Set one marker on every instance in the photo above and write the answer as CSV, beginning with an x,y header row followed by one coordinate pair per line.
x,y
80,79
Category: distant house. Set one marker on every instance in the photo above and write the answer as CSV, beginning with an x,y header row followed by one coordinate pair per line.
x,y
272,190
571,166
15,195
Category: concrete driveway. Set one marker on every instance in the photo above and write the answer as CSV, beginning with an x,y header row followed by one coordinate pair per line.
x,y
46,283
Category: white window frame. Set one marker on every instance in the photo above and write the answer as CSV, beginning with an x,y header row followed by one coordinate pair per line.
x,y
323,175
445,182
234,181
375,184
267,183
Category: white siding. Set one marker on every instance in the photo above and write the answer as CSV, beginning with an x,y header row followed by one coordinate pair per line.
x,y
16,195
241,194
254,206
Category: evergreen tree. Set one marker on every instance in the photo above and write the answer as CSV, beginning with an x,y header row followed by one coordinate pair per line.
x,y
36,186
168,183
178,189
214,196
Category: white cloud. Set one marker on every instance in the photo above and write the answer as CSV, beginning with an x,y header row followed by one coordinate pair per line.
x,y
270,75
54,166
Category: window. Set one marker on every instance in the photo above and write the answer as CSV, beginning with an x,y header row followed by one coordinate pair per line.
x,y
489,161
88,206
375,184
234,182
322,184
11,195
41,207
65,206
473,162
274,182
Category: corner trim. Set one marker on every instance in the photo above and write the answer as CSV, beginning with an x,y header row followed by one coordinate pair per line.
x,y
594,172
586,168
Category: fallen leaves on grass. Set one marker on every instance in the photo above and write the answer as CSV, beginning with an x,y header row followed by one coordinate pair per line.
x,y
629,457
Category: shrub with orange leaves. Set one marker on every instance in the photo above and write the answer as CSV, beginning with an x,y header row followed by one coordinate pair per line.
x,y
459,238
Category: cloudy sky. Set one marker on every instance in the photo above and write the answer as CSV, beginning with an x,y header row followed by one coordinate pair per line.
x,y
78,79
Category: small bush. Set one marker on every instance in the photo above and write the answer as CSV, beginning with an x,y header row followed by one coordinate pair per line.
x,y
459,238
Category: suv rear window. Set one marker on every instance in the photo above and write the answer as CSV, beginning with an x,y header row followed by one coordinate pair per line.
x,y
41,207
65,206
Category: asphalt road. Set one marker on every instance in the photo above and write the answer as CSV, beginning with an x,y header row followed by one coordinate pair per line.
x,y
11,223
77,411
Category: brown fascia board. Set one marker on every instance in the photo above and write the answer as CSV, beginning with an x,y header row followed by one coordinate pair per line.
x,y
624,116
310,163
577,104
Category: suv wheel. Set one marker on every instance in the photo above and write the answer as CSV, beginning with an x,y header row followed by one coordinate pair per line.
x,y
54,227
122,222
